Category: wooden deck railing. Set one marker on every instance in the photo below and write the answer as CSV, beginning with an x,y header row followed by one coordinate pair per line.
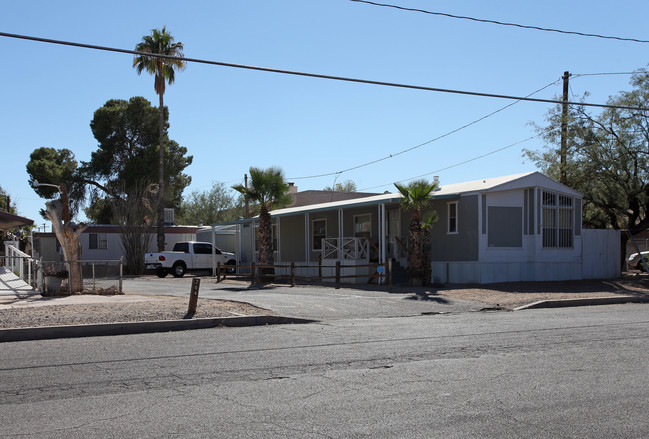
x,y
257,272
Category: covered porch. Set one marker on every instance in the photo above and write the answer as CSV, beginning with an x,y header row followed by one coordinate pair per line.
x,y
316,237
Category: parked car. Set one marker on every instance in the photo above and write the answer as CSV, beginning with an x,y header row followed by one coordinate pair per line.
x,y
635,260
187,256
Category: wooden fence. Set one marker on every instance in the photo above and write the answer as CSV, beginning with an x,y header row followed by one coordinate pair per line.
x,y
258,273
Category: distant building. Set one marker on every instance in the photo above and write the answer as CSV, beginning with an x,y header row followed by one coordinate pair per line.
x,y
102,242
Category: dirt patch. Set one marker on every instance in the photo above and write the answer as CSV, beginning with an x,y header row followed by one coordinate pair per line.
x,y
153,308
90,309
515,294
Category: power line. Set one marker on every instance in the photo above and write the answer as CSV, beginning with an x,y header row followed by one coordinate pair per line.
x,y
389,156
456,164
316,75
502,23
577,75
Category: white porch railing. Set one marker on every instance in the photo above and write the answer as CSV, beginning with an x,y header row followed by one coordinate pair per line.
x,y
348,248
20,263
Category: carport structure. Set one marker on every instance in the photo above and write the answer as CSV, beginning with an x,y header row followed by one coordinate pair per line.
x,y
10,221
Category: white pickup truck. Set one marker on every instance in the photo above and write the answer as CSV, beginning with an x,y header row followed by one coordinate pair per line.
x,y
187,256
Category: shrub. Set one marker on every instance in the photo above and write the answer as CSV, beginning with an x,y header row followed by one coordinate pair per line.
x,y
56,272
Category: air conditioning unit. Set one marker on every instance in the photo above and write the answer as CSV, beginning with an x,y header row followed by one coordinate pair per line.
x,y
169,217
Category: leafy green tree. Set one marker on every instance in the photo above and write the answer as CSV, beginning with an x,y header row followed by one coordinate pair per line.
x,y
213,206
5,203
417,195
607,160
346,186
101,210
268,189
160,42
57,167
127,153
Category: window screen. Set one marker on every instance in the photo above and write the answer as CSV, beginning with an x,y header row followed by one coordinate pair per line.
x,y
505,227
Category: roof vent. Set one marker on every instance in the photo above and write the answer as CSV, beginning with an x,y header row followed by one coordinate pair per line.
x,y
436,181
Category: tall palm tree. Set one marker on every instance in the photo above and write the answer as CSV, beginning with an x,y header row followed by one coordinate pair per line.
x,y
416,196
160,42
268,189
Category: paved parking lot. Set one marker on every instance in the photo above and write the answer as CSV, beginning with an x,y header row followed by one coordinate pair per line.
x,y
313,302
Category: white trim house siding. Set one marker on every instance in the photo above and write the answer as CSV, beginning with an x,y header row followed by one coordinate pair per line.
x,y
499,231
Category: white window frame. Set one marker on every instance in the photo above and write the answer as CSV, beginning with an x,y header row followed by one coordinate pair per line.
x,y
313,234
361,215
559,208
449,217
102,241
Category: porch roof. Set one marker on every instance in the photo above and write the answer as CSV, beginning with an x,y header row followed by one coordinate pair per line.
x,y
10,221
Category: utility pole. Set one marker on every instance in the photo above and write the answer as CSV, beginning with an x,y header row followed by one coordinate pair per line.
x,y
563,179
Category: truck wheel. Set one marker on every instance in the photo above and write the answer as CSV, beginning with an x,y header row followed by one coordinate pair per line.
x,y
231,269
161,272
178,270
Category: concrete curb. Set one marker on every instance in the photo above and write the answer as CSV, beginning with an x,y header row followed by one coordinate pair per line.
x,y
610,300
95,330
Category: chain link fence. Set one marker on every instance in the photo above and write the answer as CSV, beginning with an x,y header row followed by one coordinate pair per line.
x,y
99,277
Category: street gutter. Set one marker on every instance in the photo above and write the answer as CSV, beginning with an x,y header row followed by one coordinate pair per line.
x,y
105,329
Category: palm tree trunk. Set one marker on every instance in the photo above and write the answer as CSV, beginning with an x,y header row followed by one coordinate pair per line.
x,y
265,243
415,261
161,188
426,269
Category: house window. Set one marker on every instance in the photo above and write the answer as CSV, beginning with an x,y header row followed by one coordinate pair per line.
x,y
363,226
97,241
557,220
319,233
505,226
452,217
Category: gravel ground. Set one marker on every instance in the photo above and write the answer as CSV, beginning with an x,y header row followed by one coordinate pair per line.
x,y
514,294
506,296
147,309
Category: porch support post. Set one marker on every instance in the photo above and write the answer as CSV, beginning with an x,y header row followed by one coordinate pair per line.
x,y
279,246
384,233
213,251
382,243
340,235
238,243
307,249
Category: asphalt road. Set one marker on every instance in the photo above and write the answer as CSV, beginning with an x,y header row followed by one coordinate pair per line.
x,y
574,372
309,302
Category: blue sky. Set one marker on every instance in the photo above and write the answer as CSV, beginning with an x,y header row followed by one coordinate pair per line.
x,y
231,119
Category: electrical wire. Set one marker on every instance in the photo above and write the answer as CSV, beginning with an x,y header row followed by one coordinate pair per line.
x,y
502,23
425,143
578,75
456,164
315,75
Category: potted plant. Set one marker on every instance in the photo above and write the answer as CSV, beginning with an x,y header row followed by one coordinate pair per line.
x,y
53,278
